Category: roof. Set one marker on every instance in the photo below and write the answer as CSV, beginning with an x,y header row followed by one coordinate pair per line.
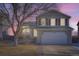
x,y
53,13
29,24
55,27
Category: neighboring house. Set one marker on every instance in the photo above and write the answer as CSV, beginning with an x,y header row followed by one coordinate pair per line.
x,y
3,28
78,28
51,27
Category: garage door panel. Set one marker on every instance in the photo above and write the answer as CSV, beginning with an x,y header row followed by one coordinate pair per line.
x,y
54,38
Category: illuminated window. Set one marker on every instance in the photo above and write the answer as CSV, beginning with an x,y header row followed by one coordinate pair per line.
x,y
26,30
35,33
24,26
62,22
43,21
53,22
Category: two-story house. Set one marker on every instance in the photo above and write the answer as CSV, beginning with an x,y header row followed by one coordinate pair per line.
x,y
51,27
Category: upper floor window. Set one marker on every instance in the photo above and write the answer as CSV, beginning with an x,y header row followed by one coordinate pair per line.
x,y
62,21
53,22
43,21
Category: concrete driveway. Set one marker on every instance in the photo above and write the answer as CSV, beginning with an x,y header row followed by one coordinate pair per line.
x,y
58,50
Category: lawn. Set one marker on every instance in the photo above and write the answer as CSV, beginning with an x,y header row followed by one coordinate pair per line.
x,y
35,50
18,50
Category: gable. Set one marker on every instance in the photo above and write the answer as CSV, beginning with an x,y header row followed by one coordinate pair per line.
x,y
53,14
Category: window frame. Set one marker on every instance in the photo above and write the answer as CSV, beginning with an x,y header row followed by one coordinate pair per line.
x,y
62,23
35,32
51,24
43,22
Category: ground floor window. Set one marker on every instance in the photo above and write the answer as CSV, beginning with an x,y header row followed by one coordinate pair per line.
x,y
34,32
26,30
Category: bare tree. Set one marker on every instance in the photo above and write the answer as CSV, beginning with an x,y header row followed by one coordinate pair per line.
x,y
18,13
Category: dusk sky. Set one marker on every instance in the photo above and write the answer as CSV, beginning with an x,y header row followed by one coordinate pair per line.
x,y
71,9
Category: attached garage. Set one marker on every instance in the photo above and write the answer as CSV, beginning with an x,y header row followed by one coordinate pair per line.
x,y
54,38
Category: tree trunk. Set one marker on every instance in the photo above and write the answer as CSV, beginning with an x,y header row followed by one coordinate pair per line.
x,y
17,34
16,41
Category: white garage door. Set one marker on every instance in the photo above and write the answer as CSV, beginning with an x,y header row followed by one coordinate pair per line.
x,y
54,38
